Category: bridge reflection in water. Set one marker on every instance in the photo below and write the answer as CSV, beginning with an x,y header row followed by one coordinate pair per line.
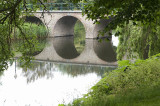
x,y
48,83
44,69
52,83
62,49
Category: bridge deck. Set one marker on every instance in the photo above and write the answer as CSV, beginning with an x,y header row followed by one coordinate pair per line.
x,y
59,11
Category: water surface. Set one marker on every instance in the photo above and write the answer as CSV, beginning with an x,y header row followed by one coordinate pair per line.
x,y
47,83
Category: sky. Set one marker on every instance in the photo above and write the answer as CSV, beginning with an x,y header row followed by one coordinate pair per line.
x,y
115,40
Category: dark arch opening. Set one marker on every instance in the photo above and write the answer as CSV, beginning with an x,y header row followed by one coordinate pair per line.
x,y
33,19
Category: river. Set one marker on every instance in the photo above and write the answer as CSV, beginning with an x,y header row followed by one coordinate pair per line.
x,y
49,82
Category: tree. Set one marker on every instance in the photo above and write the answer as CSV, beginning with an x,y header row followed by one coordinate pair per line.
x,y
11,13
142,15
123,11
138,41
144,12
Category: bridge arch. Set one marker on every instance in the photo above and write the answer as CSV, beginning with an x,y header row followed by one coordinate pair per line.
x,y
65,26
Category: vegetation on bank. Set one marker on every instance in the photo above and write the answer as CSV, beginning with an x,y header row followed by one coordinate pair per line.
x,y
79,36
136,41
134,84
24,41
32,29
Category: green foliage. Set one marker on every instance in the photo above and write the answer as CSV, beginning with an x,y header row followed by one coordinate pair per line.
x,y
61,105
138,41
5,50
27,50
1,74
79,36
122,11
142,73
138,83
41,44
33,29
141,97
10,18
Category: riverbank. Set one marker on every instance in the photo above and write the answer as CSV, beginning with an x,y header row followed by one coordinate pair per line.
x,y
135,84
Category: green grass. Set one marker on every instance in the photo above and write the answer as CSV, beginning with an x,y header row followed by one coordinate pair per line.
x,y
139,97
131,84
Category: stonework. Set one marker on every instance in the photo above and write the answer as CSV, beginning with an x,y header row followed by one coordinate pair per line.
x,y
61,23
56,51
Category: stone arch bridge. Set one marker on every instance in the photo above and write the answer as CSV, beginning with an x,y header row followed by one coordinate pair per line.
x,y
61,23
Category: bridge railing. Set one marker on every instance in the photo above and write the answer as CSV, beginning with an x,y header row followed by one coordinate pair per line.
x,y
60,6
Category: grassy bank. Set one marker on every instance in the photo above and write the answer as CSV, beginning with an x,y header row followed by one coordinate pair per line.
x,y
135,84
32,29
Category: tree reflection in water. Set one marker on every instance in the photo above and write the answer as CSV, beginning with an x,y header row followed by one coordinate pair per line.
x,y
41,44
38,70
42,69
81,69
1,74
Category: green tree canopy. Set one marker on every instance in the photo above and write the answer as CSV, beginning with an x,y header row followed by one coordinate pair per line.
x,y
136,23
11,13
122,11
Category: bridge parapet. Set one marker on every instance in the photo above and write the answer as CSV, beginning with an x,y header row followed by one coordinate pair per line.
x,y
59,6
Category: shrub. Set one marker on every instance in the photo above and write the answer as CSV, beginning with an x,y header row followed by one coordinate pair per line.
x,y
137,83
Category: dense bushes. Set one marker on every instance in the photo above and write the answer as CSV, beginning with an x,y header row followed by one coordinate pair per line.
x,y
135,83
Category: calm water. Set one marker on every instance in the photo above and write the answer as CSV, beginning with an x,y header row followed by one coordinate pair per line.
x,y
47,83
